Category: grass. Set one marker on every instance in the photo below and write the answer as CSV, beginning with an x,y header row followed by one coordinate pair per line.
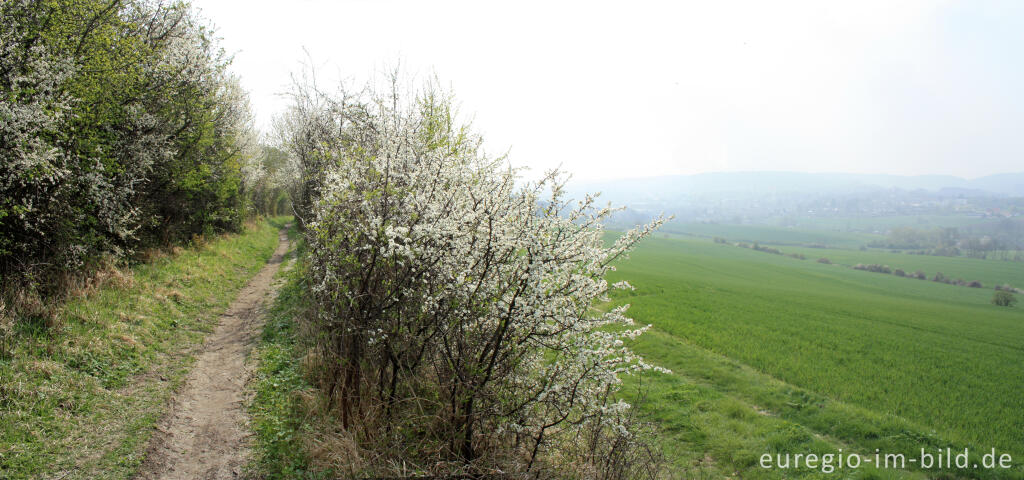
x,y
761,344
880,224
771,235
988,272
277,414
835,232
80,399
843,248
769,355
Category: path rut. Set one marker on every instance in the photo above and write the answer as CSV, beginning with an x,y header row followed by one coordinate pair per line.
x,y
204,436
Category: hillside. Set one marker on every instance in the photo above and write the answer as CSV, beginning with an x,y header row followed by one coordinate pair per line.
x,y
852,358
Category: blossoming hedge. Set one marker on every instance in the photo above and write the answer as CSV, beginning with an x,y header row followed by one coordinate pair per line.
x,y
454,300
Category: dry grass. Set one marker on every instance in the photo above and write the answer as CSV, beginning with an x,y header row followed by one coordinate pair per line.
x,y
331,448
108,275
6,330
79,401
22,300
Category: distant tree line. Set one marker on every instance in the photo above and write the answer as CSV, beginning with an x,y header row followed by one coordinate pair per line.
x,y
1001,240
762,248
120,129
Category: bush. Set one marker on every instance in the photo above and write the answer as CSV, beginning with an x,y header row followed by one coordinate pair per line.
x,y
798,256
873,267
825,261
920,275
454,302
1003,298
773,251
720,240
97,161
1009,288
975,284
940,277
899,272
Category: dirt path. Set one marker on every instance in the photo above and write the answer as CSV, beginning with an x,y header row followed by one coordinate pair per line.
x,y
204,436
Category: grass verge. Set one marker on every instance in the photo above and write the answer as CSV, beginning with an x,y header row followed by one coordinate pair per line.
x,y
80,399
278,417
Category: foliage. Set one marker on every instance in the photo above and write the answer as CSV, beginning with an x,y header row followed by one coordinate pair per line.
x,y
992,240
772,235
873,267
986,271
1009,288
453,301
269,180
120,128
1003,298
762,248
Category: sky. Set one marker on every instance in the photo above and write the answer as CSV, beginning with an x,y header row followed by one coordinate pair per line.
x,y
609,90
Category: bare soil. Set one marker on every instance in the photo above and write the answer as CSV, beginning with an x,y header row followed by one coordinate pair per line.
x,y
205,433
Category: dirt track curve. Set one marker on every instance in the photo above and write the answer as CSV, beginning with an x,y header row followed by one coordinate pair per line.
x,y
204,435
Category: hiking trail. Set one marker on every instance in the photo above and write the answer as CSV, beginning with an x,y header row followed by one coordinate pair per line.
x,y
205,432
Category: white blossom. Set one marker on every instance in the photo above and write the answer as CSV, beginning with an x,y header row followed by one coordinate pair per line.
x,y
431,260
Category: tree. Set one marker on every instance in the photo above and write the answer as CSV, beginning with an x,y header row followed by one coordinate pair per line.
x,y
269,177
1003,298
120,128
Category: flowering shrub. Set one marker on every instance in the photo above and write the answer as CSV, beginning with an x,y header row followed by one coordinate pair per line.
x,y
34,169
454,300
119,128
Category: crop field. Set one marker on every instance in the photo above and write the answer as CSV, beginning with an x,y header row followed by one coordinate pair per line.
x,y
772,235
836,232
770,353
882,223
989,272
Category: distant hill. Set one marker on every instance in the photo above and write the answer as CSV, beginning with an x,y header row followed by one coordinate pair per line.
x,y
674,187
758,197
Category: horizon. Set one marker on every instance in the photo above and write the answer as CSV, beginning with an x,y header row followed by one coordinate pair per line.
x,y
683,88
837,173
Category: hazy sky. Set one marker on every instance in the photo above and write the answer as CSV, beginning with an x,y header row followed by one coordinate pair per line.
x,y
633,88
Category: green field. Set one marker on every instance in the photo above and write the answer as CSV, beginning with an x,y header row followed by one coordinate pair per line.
x,y
989,272
835,232
773,354
883,223
772,235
